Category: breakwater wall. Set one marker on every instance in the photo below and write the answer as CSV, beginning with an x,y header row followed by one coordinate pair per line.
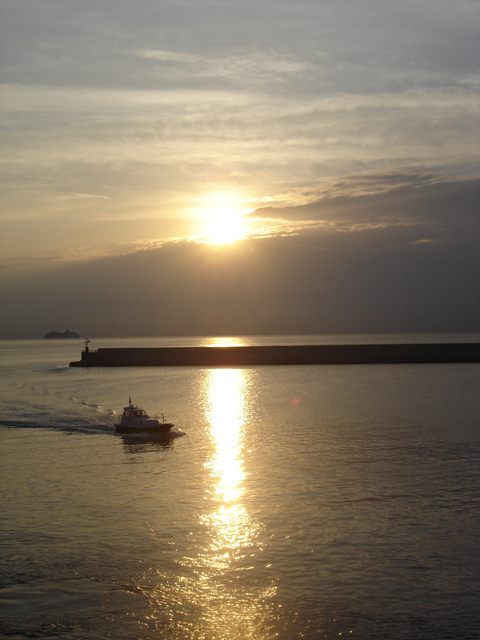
x,y
280,355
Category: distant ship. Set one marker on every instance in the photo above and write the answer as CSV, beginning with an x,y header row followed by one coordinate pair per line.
x,y
56,335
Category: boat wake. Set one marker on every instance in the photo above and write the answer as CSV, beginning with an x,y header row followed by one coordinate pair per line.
x,y
167,435
67,425
92,405
86,418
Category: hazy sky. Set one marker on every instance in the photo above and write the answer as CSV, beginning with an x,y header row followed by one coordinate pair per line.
x,y
342,138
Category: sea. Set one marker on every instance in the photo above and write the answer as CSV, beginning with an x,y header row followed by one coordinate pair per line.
x,y
315,501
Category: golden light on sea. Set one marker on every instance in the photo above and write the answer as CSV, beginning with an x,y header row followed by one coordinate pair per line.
x,y
234,602
227,421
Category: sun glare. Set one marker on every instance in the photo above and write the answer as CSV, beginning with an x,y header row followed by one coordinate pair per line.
x,y
224,225
221,220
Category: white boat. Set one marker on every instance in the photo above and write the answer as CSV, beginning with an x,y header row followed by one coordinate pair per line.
x,y
136,420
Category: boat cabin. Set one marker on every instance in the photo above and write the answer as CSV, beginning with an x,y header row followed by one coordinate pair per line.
x,y
130,412
135,420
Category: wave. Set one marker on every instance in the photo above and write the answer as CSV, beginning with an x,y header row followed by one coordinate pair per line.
x,y
168,435
67,426
106,411
20,424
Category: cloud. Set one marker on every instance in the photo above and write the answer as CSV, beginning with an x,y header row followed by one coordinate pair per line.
x,y
428,206
86,196
372,46
145,107
148,151
97,125
244,70
167,56
77,99
424,206
377,281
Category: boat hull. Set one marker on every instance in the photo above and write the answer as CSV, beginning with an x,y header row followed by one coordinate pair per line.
x,y
155,429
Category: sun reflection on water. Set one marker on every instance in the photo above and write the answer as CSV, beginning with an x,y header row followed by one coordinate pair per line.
x,y
226,418
222,581
232,531
224,341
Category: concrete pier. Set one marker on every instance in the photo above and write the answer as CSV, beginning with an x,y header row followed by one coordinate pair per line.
x,y
280,355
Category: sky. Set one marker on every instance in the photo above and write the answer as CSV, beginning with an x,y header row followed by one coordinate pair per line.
x,y
221,167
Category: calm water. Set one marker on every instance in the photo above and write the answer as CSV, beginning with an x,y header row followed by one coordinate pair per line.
x,y
302,502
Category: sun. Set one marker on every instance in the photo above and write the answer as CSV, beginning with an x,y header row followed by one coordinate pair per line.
x,y
220,219
224,225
